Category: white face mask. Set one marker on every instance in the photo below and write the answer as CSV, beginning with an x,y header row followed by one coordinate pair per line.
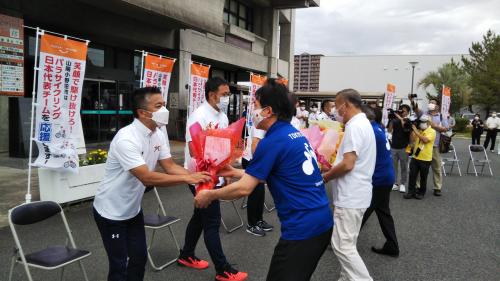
x,y
314,109
431,107
476,118
423,126
302,108
337,115
332,111
223,103
494,115
160,116
256,117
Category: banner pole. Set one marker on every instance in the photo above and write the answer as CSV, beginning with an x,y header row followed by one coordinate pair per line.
x,y
33,101
141,81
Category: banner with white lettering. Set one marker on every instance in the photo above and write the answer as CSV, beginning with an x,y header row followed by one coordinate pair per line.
x,y
256,81
60,81
157,73
446,102
199,76
388,101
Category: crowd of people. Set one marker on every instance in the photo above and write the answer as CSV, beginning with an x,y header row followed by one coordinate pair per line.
x,y
372,160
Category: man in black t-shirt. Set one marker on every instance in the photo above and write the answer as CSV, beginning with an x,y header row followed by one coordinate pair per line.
x,y
400,129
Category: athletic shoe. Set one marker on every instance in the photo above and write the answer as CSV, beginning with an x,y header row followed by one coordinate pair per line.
x,y
395,187
192,262
402,188
230,274
256,230
265,226
492,151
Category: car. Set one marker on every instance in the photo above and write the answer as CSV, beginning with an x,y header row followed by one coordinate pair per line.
x,y
469,116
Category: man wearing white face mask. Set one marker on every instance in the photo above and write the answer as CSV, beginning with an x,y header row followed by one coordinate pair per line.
x,y
492,127
327,110
209,115
133,155
302,114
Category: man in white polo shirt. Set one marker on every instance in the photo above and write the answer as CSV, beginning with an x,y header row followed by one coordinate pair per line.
x,y
352,173
208,115
133,155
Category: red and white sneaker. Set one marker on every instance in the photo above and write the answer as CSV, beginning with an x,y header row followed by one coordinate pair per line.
x,y
230,274
192,262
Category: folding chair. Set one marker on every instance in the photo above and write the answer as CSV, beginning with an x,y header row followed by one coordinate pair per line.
x,y
451,161
476,163
268,209
51,258
156,222
239,225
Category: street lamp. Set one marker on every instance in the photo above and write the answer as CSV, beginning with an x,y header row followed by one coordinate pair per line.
x,y
413,64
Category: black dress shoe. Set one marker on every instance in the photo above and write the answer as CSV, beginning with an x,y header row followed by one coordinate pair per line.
x,y
419,196
383,251
409,196
437,192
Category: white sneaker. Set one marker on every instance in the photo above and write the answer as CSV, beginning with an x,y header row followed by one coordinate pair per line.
x,y
395,187
402,188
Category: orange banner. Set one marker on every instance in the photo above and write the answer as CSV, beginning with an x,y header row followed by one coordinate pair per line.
x,y
258,79
159,64
283,81
391,88
447,91
59,46
200,70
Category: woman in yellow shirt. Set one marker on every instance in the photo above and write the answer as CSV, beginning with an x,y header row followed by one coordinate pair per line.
x,y
421,153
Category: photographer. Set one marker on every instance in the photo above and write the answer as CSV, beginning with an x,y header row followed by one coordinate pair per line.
x,y
440,125
422,153
400,128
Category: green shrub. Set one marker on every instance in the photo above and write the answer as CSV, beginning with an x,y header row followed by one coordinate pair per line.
x,y
461,124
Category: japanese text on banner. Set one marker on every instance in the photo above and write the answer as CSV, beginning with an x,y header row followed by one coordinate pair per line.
x,y
388,101
199,76
446,102
60,80
256,81
157,73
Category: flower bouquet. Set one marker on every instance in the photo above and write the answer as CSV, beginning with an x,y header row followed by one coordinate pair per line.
x,y
212,149
325,137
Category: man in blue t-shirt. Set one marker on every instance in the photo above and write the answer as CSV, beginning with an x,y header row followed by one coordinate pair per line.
x,y
286,161
383,179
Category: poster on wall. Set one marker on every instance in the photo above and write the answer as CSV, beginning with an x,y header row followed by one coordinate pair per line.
x,y
157,72
199,76
58,130
11,56
446,102
390,93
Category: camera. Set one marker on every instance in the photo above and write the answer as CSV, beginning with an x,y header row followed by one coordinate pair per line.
x,y
392,113
414,120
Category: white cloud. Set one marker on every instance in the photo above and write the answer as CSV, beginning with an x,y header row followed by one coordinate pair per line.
x,y
394,26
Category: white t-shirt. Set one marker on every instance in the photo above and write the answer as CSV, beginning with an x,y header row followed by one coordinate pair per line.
x,y
302,113
120,194
313,116
253,133
493,123
209,118
295,123
322,116
354,190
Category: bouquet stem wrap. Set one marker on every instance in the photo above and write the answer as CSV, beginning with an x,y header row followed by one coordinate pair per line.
x,y
213,149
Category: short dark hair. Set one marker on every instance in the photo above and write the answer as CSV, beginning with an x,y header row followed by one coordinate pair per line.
x,y
324,103
140,98
314,105
434,99
352,96
405,106
368,111
213,84
276,96
378,115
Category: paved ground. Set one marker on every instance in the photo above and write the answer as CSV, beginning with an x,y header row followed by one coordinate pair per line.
x,y
454,237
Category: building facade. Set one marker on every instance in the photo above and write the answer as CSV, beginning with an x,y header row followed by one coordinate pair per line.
x,y
306,72
235,37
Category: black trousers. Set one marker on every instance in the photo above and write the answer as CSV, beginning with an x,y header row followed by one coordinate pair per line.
x,y
297,260
206,221
476,137
491,135
125,244
381,196
418,167
255,202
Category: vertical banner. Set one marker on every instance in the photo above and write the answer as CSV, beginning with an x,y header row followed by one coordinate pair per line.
x,y
283,81
388,101
11,56
446,102
199,76
60,81
256,81
157,73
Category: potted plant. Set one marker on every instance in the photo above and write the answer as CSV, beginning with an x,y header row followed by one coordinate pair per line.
x,y
63,187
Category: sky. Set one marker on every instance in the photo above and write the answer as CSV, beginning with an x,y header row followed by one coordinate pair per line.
x,y
372,27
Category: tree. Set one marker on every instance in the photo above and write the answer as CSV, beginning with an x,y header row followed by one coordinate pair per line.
x,y
450,75
483,67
